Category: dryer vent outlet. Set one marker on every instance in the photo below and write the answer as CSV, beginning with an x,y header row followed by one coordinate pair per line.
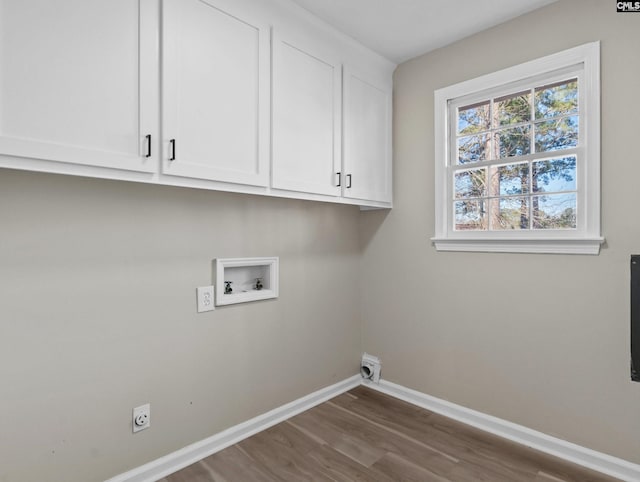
x,y
370,368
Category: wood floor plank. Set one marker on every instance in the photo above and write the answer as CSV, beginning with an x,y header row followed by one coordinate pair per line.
x,y
473,446
402,417
394,431
381,438
340,440
399,468
284,451
230,465
496,456
197,472
364,435
486,456
544,477
287,436
343,469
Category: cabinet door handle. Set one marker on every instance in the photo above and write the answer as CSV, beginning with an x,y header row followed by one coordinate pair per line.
x,y
339,174
348,181
172,145
148,138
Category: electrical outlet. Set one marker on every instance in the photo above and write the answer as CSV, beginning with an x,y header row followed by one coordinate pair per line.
x,y
141,417
205,298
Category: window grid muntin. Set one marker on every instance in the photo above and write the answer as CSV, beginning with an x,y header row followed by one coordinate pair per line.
x,y
530,85
494,126
530,194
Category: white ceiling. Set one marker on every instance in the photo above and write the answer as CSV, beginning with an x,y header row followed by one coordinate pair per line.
x,y
403,29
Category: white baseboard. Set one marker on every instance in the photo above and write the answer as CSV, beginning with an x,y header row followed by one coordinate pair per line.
x,y
591,459
577,454
179,459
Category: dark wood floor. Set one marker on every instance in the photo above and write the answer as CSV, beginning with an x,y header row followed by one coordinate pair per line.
x,y
368,436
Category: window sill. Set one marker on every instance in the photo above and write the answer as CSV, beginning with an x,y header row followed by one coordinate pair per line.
x,y
522,245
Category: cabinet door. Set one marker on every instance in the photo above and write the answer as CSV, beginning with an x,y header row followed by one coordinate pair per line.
x,y
306,117
215,91
78,82
367,137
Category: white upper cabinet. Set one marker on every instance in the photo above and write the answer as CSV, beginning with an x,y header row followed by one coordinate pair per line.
x,y
78,83
367,136
216,87
307,90
253,96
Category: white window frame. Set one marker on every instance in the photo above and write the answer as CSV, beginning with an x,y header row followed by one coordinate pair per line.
x,y
582,62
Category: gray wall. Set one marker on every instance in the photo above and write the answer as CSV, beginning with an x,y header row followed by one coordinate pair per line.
x,y
540,340
98,315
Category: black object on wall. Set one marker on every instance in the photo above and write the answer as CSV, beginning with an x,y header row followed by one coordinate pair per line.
x,y
635,317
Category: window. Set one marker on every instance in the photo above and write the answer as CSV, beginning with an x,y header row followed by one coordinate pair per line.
x,y
517,158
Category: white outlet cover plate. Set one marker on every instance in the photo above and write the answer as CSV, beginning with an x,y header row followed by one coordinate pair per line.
x,y
205,299
141,411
